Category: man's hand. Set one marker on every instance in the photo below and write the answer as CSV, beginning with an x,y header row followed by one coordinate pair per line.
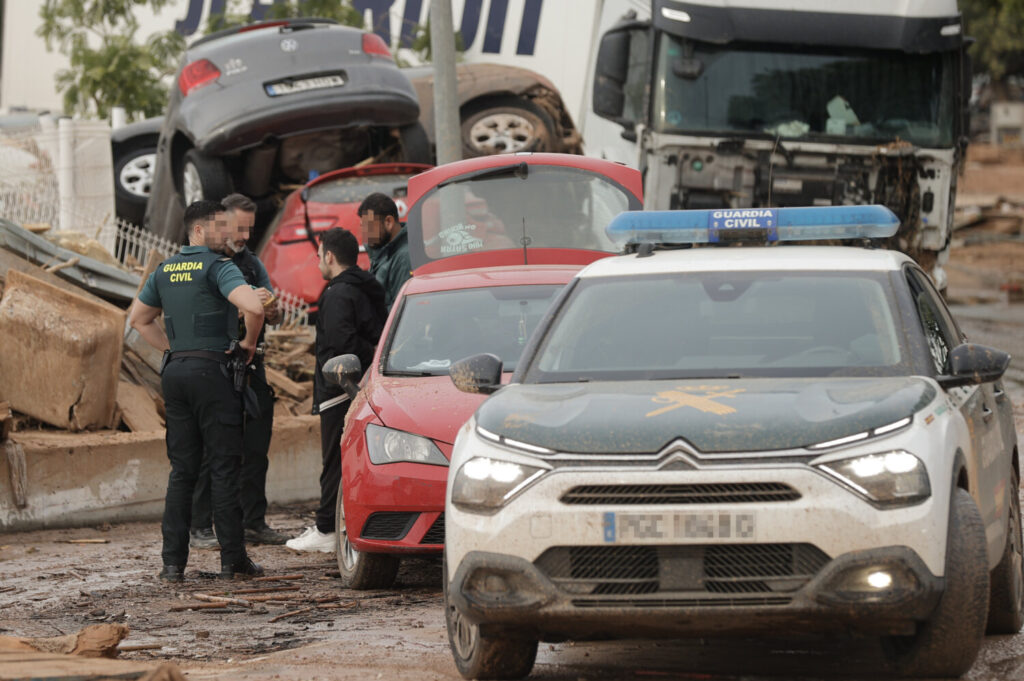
x,y
264,295
250,348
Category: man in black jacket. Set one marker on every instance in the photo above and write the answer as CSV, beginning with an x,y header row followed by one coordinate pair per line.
x,y
350,320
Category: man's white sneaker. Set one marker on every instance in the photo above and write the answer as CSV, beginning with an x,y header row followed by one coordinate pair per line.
x,y
312,540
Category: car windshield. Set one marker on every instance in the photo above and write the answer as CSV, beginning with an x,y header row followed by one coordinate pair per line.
x,y
435,329
355,189
546,207
721,325
807,94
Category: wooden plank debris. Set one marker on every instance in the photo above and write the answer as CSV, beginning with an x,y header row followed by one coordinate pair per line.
x,y
138,410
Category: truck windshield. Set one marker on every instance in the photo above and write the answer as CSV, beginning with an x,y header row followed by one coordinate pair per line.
x,y
758,90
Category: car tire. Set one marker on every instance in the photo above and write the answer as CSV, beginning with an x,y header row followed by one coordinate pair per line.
x,y
947,644
1006,594
360,570
415,144
133,179
203,177
504,125
479,656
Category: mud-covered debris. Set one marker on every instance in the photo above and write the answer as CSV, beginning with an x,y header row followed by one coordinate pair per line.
x,y
97,640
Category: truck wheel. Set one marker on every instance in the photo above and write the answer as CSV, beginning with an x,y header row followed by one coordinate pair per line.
x,y
415,144
505,125
1006,596
359,570
203,177
947,644
485,657
133,179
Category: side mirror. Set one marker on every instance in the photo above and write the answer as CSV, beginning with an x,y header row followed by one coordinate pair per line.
x,y
610,75
343,372
971,364
480,374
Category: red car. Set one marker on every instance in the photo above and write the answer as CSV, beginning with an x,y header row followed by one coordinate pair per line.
x,y
332,199
492,242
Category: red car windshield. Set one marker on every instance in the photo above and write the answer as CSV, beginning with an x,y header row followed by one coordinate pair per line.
x,y
435,329
550,207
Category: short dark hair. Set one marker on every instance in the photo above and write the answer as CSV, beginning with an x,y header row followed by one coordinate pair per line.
x,y
382,205
239,202
201,211
342,243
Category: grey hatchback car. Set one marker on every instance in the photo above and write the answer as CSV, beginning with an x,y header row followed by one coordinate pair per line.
x,y
259,107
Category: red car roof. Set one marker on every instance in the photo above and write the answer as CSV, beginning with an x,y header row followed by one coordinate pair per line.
x,y
624,175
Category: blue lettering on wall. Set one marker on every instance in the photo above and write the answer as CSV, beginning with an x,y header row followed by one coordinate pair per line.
x,y
470,21
380,13
259,10
528,29
410,19
495,26
190,24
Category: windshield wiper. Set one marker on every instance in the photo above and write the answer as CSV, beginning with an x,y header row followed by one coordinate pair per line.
x,y
412,373
520,170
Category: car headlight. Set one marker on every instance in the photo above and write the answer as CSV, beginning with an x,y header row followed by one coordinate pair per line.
x,y
896,478
484,484
386,445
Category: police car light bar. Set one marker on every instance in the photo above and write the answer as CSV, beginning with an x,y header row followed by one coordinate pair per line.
x,y
752,224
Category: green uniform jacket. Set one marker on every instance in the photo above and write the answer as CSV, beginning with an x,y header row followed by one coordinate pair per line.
x,y
390,264
192,289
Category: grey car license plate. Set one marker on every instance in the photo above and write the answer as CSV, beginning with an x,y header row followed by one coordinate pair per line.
x,y
652,527
304,85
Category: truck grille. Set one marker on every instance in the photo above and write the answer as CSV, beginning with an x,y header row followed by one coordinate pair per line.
x,y
704,493
720,574
435,535
388,525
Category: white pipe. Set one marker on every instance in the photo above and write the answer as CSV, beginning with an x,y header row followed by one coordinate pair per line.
x,y
66,172
118,117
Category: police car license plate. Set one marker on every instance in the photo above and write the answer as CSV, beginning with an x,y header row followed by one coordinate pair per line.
x,y
653,527
303,85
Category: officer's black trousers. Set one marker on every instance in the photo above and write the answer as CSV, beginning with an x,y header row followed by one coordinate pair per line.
x,y
332,423
203,411
253,492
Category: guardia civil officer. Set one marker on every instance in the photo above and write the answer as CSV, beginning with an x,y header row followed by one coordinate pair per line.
x,y
200,291
259,424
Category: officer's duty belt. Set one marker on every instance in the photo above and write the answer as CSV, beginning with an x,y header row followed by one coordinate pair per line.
x,y
222,357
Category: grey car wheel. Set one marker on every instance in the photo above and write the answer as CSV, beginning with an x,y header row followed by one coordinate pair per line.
x,y
203,177
136,176
360,570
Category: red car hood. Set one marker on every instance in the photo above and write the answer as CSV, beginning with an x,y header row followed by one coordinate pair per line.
x,y
430,406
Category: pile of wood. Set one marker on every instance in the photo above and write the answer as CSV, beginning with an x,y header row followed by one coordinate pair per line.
x,y
290,363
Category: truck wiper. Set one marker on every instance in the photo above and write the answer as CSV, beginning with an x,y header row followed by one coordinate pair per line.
x,y
520,170
412,373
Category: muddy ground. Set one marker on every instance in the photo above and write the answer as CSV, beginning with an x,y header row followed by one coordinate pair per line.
x,y
49,587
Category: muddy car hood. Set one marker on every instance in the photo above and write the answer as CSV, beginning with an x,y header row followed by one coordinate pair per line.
x,y
430,406
713,415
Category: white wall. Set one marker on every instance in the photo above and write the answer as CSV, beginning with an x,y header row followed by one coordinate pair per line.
x,y
560,52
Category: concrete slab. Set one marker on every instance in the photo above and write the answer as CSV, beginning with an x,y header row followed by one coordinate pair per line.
x,y
81,479
60,353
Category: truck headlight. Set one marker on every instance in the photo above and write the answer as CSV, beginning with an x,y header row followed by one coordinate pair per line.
x,y
896,478
486,485
386,445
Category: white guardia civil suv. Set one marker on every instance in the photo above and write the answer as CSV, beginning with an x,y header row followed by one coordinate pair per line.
x,y
702,441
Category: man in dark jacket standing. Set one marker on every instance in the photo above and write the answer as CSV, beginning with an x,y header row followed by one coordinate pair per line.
x,y
259,425
387,243
350,320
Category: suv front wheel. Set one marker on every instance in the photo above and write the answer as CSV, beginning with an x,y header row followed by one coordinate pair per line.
x,y
947,644
478,656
